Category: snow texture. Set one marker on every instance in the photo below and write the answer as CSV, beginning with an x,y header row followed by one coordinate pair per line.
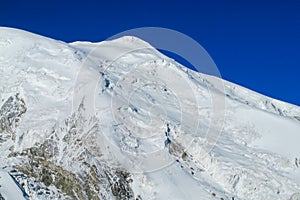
x,y
153,117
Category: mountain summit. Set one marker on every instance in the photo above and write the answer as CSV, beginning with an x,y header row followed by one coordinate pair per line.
x,y
119,120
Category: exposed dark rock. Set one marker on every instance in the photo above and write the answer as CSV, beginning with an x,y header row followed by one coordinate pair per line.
x,y
120,181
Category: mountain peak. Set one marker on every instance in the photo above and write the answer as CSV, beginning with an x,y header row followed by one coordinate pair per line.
x,y
119,120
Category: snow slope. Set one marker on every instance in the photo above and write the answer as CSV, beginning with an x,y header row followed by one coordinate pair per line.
x,y
9,189
121,113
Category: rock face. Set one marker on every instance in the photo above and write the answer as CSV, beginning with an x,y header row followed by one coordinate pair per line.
x,y
10,114
119,120
92,179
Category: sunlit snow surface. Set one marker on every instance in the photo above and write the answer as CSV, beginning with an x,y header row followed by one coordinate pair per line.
x,y
9,188
137,94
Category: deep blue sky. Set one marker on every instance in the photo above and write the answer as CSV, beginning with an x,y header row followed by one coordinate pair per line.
x,y
254,43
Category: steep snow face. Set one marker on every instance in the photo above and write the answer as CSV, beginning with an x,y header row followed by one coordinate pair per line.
x,y
119,120
42,71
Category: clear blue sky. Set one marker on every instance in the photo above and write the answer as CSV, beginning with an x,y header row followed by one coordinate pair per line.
x,y
254,43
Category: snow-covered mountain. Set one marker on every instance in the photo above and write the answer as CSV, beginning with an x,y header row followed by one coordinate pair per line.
x,y
119,120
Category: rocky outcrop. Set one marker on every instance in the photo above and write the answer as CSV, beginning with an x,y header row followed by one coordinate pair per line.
x,y
10,114
76,174
1,197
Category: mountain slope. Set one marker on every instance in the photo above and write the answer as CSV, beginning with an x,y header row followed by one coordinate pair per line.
x,y
119,120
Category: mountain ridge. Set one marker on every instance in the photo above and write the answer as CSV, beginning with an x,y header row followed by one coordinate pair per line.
x,y
149,133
